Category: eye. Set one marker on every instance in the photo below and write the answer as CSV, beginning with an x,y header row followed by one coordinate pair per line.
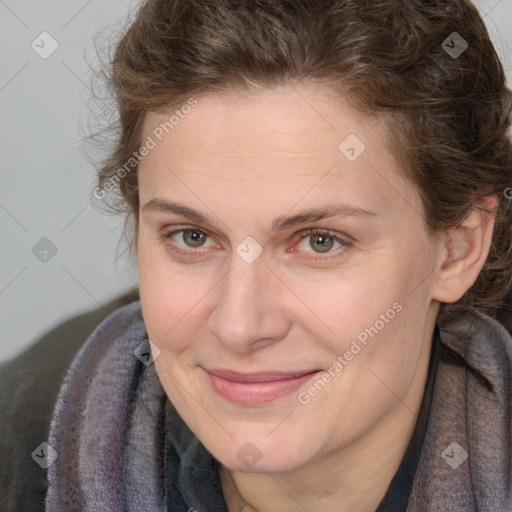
x,y
190,238
321,242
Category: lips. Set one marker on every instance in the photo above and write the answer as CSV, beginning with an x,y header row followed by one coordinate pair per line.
x,y
259,387
259,376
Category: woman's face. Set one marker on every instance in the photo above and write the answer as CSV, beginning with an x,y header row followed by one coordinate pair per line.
x,y
296,267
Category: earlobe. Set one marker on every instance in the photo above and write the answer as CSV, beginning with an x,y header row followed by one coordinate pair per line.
x,y
464,251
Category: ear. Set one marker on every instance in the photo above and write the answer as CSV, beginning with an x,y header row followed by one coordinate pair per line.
x,y
464,251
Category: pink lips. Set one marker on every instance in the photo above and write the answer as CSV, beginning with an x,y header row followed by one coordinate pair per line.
x,y
257,388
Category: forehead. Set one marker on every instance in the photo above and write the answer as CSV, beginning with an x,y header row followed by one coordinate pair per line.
x,y
276,146
270,120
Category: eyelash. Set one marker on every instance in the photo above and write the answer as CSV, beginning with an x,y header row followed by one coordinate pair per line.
x,y
303,235
345,244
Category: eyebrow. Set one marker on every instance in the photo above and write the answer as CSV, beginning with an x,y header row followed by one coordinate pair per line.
x,y
278,224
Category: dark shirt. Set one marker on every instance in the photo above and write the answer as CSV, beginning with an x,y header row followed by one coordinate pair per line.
x,y
192,474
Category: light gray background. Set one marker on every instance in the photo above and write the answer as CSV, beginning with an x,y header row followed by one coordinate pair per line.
x,y
46,180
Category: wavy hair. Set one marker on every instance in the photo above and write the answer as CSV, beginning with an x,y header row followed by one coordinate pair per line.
x,y
448,114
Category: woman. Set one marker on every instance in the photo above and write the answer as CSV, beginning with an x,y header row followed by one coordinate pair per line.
x,y
315,193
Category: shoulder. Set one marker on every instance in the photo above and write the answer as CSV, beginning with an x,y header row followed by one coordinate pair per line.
x,y
29,384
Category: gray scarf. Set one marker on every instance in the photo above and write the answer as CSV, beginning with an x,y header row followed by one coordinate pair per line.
x,y
110,427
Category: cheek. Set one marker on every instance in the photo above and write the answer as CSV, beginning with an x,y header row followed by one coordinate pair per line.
x,y
370,319
347,304
171,300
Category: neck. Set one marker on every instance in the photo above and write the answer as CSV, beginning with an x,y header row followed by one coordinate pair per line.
x,y
362,474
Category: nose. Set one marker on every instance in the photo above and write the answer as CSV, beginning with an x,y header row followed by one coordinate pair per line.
x,y
248,314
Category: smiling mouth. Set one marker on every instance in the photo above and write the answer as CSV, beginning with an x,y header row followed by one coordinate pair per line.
x,y
257,388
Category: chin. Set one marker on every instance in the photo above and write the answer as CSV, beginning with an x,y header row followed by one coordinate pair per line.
x,y
253,454
264,465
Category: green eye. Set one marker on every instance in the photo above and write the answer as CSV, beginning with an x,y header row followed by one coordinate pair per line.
x,y
193,238
321,243
188,242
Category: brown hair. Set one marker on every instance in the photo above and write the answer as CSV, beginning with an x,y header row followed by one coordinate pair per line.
x,y
449,113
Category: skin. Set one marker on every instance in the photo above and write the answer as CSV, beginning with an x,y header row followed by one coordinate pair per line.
x,y
245,160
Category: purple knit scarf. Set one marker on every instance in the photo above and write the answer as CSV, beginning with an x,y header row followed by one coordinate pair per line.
x,y
109,425
109,415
